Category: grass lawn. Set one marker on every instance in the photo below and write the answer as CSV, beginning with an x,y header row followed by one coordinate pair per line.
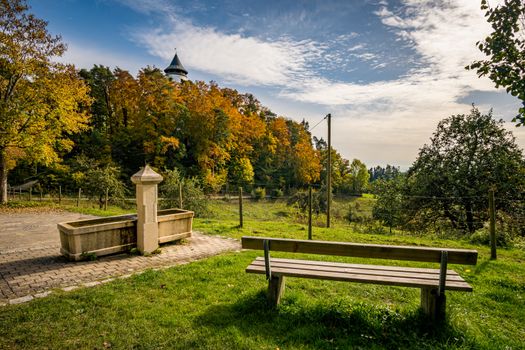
x,y
213,304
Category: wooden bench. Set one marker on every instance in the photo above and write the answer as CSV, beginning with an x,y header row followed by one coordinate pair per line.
x,y
433,282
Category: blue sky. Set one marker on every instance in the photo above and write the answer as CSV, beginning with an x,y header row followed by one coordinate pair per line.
x,y
386,70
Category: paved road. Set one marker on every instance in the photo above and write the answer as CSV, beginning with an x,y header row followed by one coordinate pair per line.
x,y
31,265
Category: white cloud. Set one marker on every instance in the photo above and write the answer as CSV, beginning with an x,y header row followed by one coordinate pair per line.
x,y
149,6
444,35
390,119
355,47
243,60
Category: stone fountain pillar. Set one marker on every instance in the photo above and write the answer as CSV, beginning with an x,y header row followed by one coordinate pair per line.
x,y
146,181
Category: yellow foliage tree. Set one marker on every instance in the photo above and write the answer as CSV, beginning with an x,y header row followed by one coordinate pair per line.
x,y
41,101
307,165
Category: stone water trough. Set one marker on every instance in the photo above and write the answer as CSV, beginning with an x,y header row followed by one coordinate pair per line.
x,y
116,234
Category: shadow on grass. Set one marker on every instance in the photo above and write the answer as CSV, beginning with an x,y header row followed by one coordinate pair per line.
x,y
324,325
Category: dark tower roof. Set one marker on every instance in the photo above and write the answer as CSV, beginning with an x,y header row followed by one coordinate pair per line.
x,y
176,67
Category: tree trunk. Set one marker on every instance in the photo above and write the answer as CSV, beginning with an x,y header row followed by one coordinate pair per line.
x,y
470,216
3,177
125,116
450,216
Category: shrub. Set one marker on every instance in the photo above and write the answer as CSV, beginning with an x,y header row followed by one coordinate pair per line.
x,y
482,236
259,193
277,193
300,200
355,214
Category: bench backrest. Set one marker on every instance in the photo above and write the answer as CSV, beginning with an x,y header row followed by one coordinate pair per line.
x,y
455,256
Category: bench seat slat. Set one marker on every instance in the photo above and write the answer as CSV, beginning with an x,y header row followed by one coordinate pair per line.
x,y
363,276
371,267
363,269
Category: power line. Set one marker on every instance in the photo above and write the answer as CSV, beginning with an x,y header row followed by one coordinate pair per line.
x,y
320,121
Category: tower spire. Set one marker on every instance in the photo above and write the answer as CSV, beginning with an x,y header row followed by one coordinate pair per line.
x,y
176,70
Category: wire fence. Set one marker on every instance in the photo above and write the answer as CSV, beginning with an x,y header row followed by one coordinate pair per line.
x,y
509,211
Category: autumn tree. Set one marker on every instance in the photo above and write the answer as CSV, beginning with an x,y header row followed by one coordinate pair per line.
x,y
41,101
307,163
505,47
209,133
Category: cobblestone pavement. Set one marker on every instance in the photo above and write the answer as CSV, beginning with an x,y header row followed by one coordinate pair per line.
x,y
32,271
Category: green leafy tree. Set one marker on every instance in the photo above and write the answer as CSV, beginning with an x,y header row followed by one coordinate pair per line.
x,y
241,171
41,102
358,176
505,47
100,79
340,166
192,194
467,156
387,173
388,207
101,180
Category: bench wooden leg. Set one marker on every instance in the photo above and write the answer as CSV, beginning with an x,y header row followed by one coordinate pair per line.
x,y
275,289
432,304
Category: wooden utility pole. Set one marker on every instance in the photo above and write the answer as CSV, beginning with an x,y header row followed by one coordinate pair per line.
x,y
240,208
310,212
492,226
329,171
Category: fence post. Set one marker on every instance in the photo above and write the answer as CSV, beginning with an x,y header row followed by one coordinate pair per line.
x,y
240,208
30,194
180,194
390,220
41,195
106,199
492,216
310,212
59,195
78,197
